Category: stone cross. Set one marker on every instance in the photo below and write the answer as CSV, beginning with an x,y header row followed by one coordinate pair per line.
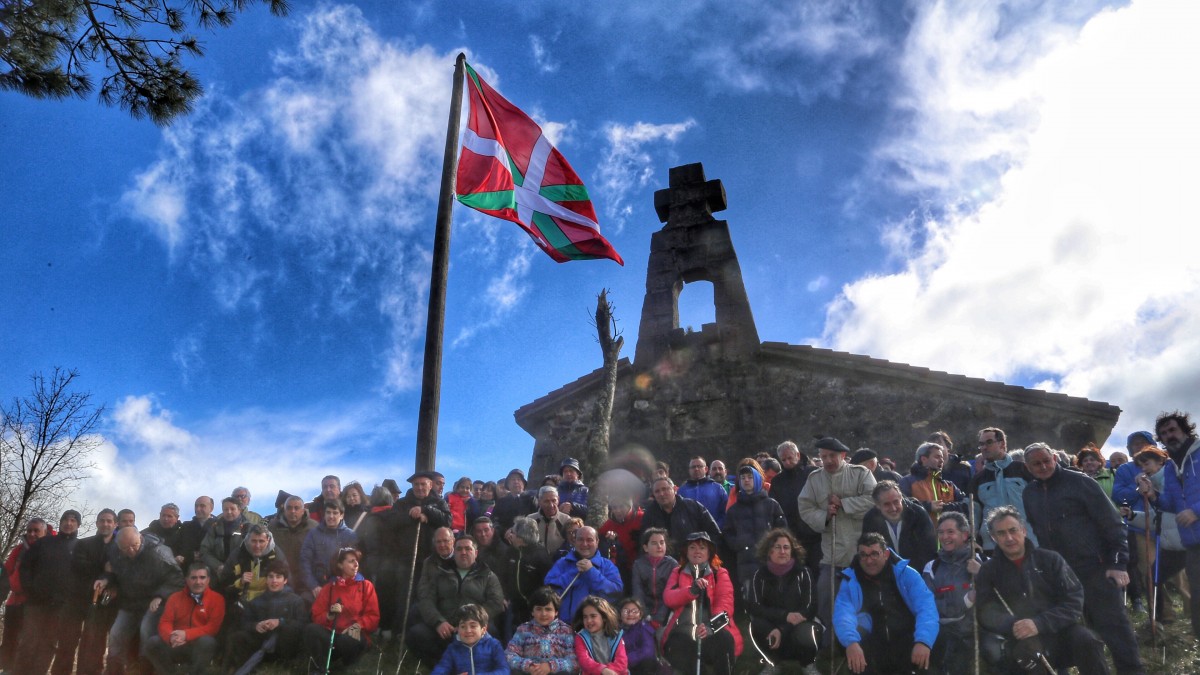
x,y
689,199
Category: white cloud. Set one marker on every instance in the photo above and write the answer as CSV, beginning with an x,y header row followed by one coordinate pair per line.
x,y
504,292
312,186
263,450
627,164
1075,264
817,284
541,56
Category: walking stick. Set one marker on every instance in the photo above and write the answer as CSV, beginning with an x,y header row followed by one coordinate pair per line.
x,y
832,587
974,614
1040,656
332,633
412,572
1151,577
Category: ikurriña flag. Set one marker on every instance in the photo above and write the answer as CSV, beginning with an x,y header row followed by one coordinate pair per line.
x,y
509,169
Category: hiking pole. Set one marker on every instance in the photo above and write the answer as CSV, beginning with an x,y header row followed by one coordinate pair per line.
x,y
412,572
332,615
1151,576
832,587
974,614
1040,656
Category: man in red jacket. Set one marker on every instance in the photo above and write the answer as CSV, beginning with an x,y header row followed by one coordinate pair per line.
x,y
187,630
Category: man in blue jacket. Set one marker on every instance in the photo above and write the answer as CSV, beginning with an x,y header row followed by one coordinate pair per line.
x,y
699,487
581,573
1181,493
885,615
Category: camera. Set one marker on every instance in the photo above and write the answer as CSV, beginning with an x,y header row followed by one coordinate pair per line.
x,y
717,622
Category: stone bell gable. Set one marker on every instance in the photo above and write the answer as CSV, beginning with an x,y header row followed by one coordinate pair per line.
x,y
723,394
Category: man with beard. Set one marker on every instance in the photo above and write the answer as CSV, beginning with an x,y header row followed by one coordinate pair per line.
x,y
289,531
927,486
1073,517
902,523
87,564
53,614
1181,494
720,474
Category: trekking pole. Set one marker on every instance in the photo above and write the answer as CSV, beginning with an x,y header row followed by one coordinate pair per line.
x,y
332,632
696,618
1150,575
832,587
1040,656
412,572
974,614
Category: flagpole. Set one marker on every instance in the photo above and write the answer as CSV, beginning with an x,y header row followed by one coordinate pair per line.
x,y
431,375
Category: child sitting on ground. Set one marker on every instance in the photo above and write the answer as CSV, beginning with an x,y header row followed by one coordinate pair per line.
x,y
639,638
599,647
545,644
473,651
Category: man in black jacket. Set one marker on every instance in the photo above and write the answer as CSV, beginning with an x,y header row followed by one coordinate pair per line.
x,y
409,527
144,575
903,523
1071,515
193,531
679,516
169,531
53,615
1031,606
87,563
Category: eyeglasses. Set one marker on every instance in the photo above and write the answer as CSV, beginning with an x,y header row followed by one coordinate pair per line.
x,y
988,442
631,610
871,555
781,547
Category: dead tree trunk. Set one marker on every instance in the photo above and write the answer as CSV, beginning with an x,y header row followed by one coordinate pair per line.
x,y
595,455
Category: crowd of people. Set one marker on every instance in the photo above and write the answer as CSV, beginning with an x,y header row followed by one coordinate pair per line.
x,y
1023,557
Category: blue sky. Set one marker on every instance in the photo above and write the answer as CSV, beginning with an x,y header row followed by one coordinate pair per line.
x,y
993,189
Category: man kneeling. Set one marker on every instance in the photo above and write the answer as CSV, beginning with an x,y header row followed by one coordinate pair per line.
x,y
187,630
1031,606
884,614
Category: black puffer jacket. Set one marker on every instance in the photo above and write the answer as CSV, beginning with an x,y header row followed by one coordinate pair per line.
x,y
1070,514
771,598
1043,588
750,517
47,576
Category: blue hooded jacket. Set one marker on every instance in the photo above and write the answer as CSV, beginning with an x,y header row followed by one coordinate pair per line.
x,y
485,657
849,620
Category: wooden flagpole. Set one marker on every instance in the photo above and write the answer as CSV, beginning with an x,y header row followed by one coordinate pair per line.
x,y
431,374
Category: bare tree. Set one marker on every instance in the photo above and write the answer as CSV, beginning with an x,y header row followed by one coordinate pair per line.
x,y
46,440
595,454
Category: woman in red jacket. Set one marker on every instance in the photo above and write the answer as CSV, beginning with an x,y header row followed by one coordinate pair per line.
x,y
346,606
696,592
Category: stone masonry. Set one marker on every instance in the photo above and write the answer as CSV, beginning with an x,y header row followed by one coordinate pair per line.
x,y
723,394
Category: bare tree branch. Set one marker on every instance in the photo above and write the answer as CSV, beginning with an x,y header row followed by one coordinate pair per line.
x,y
46,442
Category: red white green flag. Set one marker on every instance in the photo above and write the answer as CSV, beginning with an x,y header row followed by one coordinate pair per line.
x,y
509,169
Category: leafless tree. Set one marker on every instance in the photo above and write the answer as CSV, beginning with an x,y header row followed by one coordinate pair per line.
x,y
595,455
46,443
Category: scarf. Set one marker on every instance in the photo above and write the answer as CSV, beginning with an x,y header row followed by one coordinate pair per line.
x,y
780,570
